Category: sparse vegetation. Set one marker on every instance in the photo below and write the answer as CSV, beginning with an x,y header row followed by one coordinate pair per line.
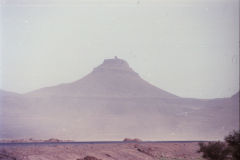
x,y
228,150
214,150
233,141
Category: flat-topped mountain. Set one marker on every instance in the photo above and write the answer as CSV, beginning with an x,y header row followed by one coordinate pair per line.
x,y
111,103
113,78
114,65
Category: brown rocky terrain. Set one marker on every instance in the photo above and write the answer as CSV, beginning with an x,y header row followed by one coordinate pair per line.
x,y
102,151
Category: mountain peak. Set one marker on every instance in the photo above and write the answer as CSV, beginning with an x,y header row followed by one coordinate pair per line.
x,y
114,64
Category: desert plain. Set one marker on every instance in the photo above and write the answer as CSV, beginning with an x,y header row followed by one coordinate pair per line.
x,y
101,151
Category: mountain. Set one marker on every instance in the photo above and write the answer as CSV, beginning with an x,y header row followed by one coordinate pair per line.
x,y
113,78
111,103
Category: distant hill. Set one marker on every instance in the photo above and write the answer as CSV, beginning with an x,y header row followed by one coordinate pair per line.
x,y
111,103
235,96
7,94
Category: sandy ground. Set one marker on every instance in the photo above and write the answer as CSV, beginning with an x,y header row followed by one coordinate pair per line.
x,y
109,151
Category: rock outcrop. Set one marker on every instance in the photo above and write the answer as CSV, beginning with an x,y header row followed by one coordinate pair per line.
x,y
89,158
132,140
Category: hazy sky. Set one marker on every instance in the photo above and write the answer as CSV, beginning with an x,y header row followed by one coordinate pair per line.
x,y
187,47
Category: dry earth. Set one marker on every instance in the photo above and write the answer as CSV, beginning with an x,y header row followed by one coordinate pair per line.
x,y
103,151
